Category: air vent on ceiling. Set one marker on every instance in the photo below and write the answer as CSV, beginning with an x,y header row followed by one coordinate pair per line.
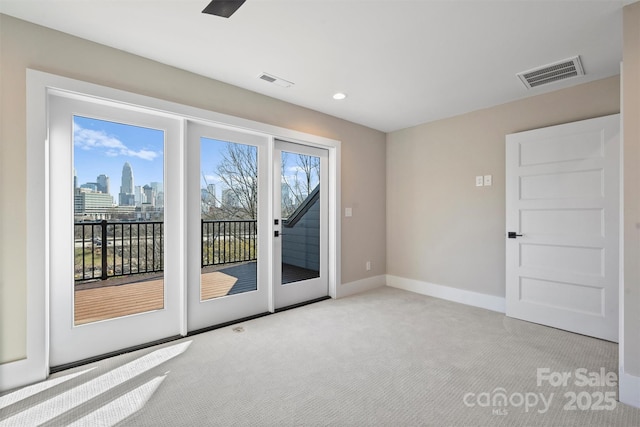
x,y
275,80
565,69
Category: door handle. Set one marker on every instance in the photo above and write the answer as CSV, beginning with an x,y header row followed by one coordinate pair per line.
x,y
276,233
513,235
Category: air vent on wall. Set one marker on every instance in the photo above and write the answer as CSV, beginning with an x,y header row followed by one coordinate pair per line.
x,y
275,80
565,69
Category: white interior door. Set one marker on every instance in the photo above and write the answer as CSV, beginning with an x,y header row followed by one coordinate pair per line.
x,y
115,261
563,201
300,224
228,225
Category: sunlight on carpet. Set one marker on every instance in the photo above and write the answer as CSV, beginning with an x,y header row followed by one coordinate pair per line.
x,y
114,411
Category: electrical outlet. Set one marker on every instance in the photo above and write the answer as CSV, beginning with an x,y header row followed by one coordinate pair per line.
x,y
479,181
368,265
488,180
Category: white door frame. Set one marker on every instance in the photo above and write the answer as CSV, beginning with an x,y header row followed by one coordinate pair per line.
x,y
35,366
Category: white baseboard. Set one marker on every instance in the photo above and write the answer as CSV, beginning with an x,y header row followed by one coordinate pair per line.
x,y
629,389
362,285
476,299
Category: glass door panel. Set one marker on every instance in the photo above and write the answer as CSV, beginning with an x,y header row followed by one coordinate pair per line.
x,y
228,207
300,216
301,210
118,219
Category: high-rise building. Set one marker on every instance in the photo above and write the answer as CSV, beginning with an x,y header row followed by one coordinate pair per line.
x,y
88,202
230,198
211,194
92,186
211,188
157,186
127,196
139,195
158,191
149,195
160,200
208,198
103,183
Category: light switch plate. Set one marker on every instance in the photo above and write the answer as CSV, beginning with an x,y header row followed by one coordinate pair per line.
x,y
479,181
348,212
488,180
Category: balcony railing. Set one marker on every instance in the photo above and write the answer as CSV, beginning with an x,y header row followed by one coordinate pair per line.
x,y
226,242
105,249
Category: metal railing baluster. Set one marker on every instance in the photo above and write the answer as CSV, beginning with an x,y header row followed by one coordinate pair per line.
x,y
222,242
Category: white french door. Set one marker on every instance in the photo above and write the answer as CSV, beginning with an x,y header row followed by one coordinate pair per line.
x,y
300,223
563,199
115,259
160,226
244,266
228,225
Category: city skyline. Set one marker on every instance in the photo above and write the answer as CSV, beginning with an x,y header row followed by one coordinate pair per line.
x,y
102,147
139,193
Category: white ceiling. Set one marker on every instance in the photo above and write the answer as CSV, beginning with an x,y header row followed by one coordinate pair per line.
x,y
401,62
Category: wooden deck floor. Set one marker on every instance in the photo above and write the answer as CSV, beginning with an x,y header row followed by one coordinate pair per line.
x,y
115,297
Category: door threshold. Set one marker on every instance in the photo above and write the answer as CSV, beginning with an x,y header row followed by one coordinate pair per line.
x,y
63,367
302,304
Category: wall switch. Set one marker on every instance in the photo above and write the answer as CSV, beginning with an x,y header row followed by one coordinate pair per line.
x,y
368,265
479,181
348,212
488,180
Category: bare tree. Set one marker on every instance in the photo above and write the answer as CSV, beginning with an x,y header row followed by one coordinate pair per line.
x,y
299,184
238,171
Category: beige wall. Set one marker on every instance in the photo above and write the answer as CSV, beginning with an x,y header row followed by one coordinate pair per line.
x,y
631,132
24,45
443,229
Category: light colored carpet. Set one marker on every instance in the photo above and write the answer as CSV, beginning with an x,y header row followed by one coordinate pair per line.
x,y
382,358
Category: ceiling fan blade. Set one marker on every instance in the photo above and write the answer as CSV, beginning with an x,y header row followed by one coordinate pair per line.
x,y
223,8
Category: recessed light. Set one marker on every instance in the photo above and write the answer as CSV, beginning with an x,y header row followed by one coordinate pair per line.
x,y
339,96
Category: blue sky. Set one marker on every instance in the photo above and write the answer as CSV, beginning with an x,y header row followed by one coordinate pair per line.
x,y
102,147
210,156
